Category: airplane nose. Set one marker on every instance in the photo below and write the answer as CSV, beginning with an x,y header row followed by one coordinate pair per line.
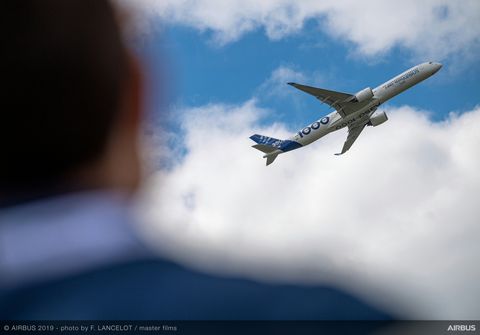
x,y
438,66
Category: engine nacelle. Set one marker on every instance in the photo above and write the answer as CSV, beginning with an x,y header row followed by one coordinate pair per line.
x,y
364,94
377,119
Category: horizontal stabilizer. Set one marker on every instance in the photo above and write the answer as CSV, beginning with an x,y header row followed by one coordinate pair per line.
x,y
264,148
270,159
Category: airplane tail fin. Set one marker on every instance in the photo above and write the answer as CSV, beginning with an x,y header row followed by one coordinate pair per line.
x,y
266,145
260,139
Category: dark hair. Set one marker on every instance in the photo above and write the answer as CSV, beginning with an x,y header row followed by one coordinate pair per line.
x,y
63,66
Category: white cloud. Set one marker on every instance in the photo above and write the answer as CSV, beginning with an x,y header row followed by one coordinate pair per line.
x,y
431,28
396,218
275,85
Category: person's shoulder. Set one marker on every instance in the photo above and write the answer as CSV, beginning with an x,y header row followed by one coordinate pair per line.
x,y
159,289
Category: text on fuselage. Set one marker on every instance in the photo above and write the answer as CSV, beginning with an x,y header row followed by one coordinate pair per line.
x,y
402,78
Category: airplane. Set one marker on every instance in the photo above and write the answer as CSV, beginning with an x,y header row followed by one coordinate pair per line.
x,y
355,111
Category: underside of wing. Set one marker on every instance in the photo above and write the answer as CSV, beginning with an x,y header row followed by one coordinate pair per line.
x,y
353,132
329,97
344,103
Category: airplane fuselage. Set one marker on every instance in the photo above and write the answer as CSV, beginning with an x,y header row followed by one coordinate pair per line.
x,y
334,121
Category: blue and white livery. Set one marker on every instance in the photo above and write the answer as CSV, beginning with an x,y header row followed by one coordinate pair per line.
x,y
354,111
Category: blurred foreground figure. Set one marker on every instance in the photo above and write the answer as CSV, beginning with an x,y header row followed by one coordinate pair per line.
x,y
70,120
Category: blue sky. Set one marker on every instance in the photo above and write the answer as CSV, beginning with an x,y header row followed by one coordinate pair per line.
x,y
399,212
201,72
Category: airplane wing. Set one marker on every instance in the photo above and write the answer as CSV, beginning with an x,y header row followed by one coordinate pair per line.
x,y
354,131
342,102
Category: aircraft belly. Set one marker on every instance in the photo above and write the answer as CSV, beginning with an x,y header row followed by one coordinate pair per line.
x,y
361,115
289,145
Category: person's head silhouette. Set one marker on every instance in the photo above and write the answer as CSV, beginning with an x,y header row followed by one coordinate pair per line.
x,y
70,102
